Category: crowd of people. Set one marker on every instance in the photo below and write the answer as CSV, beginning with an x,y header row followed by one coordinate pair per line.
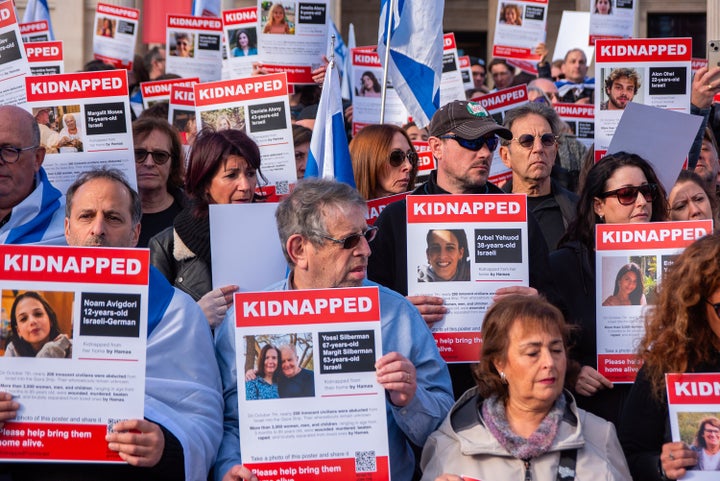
x,y
534,406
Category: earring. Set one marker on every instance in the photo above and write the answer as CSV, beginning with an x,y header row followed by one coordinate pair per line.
x,y
602,218
503,379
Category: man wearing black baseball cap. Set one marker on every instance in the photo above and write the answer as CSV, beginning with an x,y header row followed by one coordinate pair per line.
x,y
463,137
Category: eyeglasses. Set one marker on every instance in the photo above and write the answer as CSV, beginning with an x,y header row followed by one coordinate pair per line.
x,y
715,306
528,140
10,154
714,432
397,157
351,241
158,156
475,144
628,195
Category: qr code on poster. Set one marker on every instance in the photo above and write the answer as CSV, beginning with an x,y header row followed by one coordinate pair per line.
x,y
365,462
282,187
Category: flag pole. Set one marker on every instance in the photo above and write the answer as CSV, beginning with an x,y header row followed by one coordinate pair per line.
x,y
390,10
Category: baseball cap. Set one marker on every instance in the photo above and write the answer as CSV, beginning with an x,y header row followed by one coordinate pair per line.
x,y
467,119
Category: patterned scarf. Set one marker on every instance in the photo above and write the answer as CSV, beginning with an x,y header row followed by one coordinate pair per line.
x,y
539,442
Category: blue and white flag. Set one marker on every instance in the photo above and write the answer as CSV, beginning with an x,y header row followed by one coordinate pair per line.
x,y
347,68
416,48
329,155
206,8
37,10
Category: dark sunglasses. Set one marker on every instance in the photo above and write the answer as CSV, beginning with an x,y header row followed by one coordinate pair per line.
x,y
397,157
158,156
528,140
475,144
628,195
351,241
715,306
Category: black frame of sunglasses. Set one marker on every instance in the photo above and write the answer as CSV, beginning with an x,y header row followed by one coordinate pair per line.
x,y
396,160
525,140
152,156
351,241
632,193
475,144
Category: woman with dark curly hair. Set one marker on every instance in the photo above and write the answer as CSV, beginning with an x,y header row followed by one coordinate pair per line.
x,y
621,188
682,334
34,329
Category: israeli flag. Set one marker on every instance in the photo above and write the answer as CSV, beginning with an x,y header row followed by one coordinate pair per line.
x,y
206,8
415,36
347,68
37,10
329,155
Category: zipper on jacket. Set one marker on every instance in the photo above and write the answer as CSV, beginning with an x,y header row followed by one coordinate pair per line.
x,y
528,475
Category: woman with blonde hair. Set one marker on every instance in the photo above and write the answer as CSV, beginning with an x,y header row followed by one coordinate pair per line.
x,y
277,20
384,161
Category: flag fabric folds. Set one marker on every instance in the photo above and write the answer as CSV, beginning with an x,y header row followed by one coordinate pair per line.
x,y
329,155
37,10
347,68
206,8
416,47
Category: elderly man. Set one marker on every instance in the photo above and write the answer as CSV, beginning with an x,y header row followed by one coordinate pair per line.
x,y
463,137
531,154
31,209
325,238
180,435
576,87
620,87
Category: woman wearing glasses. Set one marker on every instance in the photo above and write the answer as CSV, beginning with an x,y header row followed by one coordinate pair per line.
x,y
159,171
223,169
621,188
682,334
384,161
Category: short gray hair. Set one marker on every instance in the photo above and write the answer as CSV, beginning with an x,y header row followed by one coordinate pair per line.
x,y
303,211
533,108
109,174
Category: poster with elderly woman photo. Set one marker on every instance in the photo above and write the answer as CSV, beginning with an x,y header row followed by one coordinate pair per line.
x,y
694,412
84,122
630,262
462,248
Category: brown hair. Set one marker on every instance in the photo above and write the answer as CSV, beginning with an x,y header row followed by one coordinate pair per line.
x,y
535,314
699,439
370,151
678,336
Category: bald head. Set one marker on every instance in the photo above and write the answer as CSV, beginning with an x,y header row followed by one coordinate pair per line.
x,y
13,116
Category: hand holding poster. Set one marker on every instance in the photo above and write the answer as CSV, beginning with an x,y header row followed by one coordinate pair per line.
x,y
329,417
90,372
463,248
630,262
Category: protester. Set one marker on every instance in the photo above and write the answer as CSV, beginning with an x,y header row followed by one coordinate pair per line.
x,y
384,161
682,334
179,436
462,139
160,171
479,74
503,75
35,331
519,423
531,154
301,141
689,199
621,188
325,238
707,166
576,87
154,62
223,169
415,133
31,209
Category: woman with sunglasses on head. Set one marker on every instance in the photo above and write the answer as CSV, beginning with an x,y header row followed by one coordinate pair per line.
x,y
682,334
621,188
159,169
384,161
223,169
